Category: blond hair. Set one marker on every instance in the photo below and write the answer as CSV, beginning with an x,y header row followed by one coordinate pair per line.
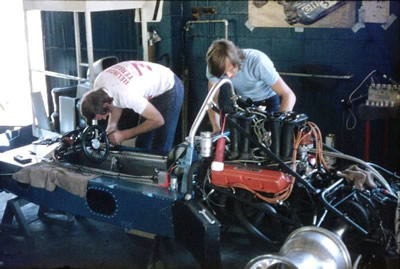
x,y
218,52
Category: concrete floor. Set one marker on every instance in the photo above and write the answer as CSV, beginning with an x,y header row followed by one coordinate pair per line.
x,y
87,243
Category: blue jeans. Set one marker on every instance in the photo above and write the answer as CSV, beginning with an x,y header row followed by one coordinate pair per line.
x,y
273,103
169,104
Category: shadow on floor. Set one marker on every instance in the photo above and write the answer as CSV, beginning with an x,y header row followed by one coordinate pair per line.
x,y
88,243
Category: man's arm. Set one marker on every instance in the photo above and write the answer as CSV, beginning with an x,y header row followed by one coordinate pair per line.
x,y
113,119
212,115
154,120
288,97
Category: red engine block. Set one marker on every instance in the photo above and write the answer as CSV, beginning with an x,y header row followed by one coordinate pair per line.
x,y
254,178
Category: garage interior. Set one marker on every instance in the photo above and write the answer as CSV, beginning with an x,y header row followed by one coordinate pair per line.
x,y
334,73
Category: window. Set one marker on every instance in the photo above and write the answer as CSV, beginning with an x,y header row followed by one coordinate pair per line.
x,y
15,102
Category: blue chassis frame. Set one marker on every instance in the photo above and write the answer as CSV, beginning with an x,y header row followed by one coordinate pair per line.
x,y
143,207
137,206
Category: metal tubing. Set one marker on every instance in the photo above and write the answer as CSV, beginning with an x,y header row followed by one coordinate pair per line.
x,y
145,35
58,75
345,198
89,42
34,125
333,188
225,21
207,104
316,75
77,45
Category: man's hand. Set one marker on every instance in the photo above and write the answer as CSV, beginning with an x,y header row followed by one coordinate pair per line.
x,y
154,120
111,129
116,137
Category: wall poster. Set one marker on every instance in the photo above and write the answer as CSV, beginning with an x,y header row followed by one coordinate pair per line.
x,y
376,11
324,14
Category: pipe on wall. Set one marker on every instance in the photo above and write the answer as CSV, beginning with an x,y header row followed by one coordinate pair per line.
x,y
316,76
224,21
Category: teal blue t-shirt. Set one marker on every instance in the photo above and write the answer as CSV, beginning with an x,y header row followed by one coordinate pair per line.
x,y
255,76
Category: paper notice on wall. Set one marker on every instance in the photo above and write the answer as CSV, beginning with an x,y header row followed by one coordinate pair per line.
x,y
376,11
325,14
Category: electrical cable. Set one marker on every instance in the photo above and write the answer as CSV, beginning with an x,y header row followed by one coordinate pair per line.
x,y
316,133
359,86
351,115
298,138
351,100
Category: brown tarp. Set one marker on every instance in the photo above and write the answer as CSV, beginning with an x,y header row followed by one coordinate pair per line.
x,y
51,175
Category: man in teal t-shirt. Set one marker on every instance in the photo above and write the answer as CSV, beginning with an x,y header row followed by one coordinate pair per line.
x,y
253,76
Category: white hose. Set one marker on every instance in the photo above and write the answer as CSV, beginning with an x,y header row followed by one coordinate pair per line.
x,y
357,262
397,224
377,175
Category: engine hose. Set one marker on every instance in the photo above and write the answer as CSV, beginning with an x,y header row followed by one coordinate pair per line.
x,y
389,173
275,128
397,223
385,171
248,226
223,208
357,262
331,148
245,121
287,139
377,175
234,141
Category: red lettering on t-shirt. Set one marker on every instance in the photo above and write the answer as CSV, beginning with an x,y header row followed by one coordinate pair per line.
x,y
121,73
147,66
137,69
139,66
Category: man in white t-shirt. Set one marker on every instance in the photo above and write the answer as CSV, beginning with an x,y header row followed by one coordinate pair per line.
x,y
253,76
151,90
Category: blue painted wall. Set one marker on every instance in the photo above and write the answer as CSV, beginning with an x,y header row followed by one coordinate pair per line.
x,y
314,51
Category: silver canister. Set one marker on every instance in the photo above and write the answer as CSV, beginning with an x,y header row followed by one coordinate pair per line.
x,y
330,140
205,144
173,182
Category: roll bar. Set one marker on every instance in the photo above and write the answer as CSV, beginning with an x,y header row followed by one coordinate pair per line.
x,y
207,104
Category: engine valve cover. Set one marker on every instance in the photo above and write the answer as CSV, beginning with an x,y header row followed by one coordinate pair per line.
x,y
252,177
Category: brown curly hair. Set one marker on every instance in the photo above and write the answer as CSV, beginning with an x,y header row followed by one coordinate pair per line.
x,y
92,103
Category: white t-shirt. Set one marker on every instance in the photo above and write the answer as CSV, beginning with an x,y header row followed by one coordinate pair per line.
x,y
133,83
